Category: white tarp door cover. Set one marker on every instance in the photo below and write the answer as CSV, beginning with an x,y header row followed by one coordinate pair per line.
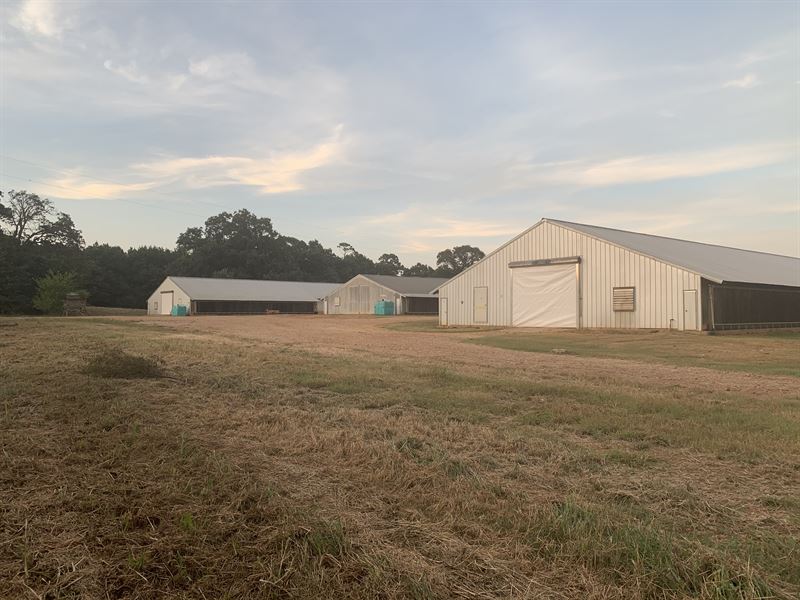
x,y
545,296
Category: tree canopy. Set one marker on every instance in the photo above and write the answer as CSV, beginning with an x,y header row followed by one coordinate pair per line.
x,y
452,261
30,219
37,240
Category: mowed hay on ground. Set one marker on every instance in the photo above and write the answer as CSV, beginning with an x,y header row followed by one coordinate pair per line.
x,y
267,470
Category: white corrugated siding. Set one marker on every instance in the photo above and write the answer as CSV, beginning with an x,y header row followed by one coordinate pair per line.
x,y
659,286
179,296
348,303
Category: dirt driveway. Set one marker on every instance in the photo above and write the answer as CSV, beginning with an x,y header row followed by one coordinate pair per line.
x,y
359,335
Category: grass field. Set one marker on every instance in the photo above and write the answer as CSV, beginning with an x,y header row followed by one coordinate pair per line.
x,y
776,352
260,457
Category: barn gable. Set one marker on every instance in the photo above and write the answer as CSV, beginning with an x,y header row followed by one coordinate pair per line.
x,y
599,268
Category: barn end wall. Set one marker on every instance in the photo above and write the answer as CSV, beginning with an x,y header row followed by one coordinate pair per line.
x,y
353,301
658,286
154,301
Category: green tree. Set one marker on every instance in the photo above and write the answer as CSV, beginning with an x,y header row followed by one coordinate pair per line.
x,y
30,219
34,239
389,264
107,273
353,263
419,270
146,268
238,244
452,261
312,262
51,291
6,215
346,249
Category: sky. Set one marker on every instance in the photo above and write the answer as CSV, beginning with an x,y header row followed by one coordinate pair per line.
x,y
407,127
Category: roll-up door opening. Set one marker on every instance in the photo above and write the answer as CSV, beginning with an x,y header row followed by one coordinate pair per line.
x,y
545,296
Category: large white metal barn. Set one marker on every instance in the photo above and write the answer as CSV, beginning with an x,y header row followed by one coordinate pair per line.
x,y
204,295
562,274
410,295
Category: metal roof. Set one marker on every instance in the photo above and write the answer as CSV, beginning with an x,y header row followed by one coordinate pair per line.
x,y
206,288
408,286
716,263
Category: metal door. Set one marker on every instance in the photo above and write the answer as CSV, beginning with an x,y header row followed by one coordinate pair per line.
x,y
363,300
443,311
166,302
689,310
480,304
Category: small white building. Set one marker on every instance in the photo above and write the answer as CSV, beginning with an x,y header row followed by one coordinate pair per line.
x,y
562,274
410,295
204,295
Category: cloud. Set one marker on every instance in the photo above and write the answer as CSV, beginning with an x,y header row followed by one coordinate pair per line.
x,y
130,71
275,174
656,167
466,229
401,230
222,66
223,72
748,81
439,226
744,206
76,187
775,47
278,173
404,230
652,222
39,17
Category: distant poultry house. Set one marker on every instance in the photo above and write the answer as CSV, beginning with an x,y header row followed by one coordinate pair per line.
x,y
410,295
210,296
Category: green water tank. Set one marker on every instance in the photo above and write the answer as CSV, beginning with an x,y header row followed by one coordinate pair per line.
x,y
384,307
179,310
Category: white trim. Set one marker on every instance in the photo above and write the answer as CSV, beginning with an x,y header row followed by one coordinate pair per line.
x,y
384,286
172,281
177,286
366,277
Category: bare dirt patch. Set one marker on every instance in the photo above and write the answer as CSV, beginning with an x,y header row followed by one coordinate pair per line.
x,y
370,335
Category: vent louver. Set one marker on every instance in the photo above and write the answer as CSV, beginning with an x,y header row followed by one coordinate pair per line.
x,y
624,299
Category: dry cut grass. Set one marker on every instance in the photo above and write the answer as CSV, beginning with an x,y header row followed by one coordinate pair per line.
x,y
269,472
111,311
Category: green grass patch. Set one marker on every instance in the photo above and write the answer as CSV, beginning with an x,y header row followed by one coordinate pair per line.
x,y
625,549
327,538
724,424
773,354
426,325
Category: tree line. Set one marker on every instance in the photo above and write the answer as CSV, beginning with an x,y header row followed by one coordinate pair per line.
x,y
43,255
